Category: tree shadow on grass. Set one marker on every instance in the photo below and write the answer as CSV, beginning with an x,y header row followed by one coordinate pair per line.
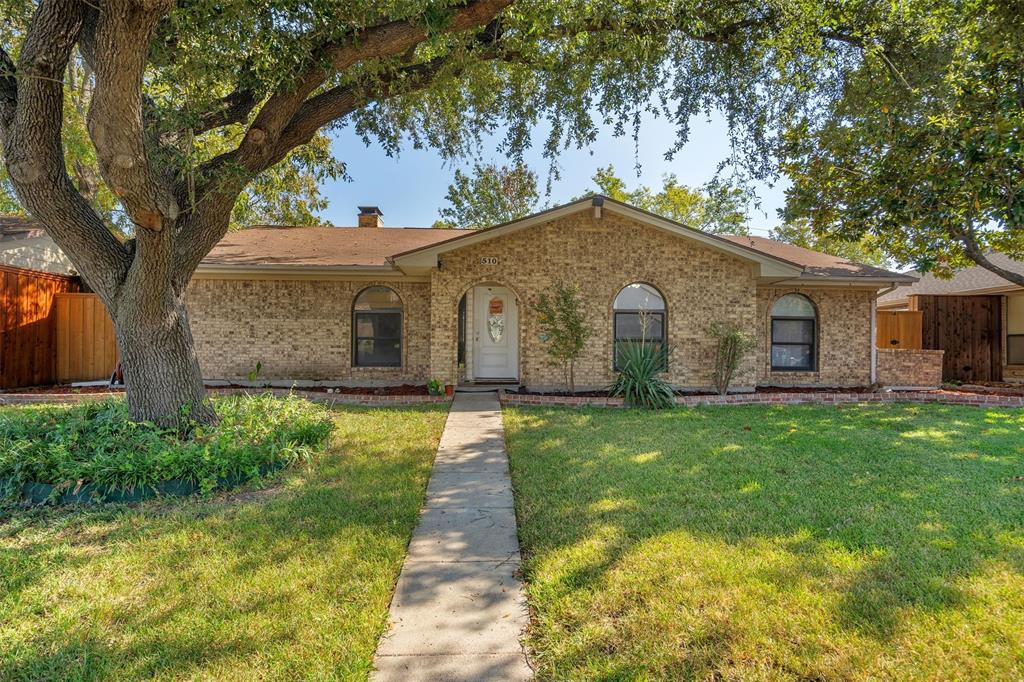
x,y
888,508
291,584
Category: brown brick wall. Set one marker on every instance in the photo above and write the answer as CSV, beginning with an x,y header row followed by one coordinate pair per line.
x,y
298,329
844,337
601,256
302,329
909,368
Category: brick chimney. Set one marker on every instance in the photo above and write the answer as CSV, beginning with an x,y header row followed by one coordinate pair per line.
x,y
370,216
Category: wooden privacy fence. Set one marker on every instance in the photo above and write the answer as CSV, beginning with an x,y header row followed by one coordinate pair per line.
x,y
28,343
86,345
898,329
969,329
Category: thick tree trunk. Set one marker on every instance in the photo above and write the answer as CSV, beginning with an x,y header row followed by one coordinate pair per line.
x,y
162,376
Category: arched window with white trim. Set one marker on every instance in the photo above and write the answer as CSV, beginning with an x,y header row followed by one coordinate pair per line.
x,y
377,328
794,334
639,312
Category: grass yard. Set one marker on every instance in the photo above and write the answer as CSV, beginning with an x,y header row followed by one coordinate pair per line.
x,y
288,582
880,542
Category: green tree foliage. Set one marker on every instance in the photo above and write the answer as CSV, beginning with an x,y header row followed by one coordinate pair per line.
x,y
923,148
491,195
802,233
288,193
717,207
564,327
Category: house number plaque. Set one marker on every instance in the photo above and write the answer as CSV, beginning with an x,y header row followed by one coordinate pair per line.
x,y
488,260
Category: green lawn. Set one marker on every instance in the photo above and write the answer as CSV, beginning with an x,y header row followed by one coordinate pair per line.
x,y
287,582
881,542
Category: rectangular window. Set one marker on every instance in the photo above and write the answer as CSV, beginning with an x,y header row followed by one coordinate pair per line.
x,y
629,328
792,344
1015,349
378,339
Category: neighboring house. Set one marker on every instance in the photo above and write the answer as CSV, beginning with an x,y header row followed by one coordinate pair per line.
x,y
376,305
24,244
977,317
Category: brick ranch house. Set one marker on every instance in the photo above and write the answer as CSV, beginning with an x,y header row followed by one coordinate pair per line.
x,y
372,305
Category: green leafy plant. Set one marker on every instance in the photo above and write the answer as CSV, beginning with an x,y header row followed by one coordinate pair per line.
x,y
731,344
563,327
435,387
255,373
639,380
97,443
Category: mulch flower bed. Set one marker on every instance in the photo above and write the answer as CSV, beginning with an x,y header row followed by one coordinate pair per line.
x,y
772,397
62,390
683,394
987,389
404,389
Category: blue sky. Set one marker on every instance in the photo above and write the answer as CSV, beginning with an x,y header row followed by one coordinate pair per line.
x,y
410,188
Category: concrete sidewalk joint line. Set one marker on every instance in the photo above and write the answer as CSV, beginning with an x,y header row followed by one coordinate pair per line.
x,y
459,611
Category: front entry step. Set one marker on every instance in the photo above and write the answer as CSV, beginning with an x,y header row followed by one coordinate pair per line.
x,y
487,387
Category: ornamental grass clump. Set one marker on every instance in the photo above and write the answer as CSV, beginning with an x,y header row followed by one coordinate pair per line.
x,y
97,443
639,380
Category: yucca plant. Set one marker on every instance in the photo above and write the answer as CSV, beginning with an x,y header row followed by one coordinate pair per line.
x,y
639,380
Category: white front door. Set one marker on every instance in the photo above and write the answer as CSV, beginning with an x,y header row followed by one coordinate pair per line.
x,y
496,334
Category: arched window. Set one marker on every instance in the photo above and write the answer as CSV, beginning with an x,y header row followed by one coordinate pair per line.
x,y
377,328
794,330
639,311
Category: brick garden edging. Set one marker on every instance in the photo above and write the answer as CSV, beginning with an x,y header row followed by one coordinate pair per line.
x,y
940,397
312,396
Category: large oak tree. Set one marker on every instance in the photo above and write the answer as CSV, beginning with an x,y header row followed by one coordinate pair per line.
x,y
193,101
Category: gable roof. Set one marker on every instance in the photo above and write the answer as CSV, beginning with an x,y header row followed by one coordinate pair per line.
x,y
777,259
972,280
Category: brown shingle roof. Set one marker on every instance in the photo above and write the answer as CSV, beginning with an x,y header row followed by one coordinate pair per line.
x,y
371,247
815,263
969,280
321,246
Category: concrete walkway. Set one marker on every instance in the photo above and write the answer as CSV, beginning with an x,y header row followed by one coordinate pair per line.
x,y
459,612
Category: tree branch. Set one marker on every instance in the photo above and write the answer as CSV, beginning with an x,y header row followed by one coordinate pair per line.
x,y
8,90
233,108
122,36
34,154
383,40
976,254
208,223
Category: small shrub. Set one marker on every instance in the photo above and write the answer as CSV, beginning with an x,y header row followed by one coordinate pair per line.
x,y
254,374
434,387
639,380
564,328
97,443
731,345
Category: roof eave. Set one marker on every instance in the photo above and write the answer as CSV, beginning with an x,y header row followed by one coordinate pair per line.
x,y
848,280
293,268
